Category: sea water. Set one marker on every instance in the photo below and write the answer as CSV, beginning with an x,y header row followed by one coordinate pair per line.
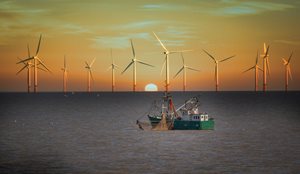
x,y
97,133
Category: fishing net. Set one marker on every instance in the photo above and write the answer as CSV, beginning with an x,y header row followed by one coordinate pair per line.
x,y
143,122
162,125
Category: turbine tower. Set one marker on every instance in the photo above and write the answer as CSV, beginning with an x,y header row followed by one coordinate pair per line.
x,y
113,67
266,66
256,68
89,74
134,62
217,67
183,68
166,62
65,75
27,65
36,62
288,73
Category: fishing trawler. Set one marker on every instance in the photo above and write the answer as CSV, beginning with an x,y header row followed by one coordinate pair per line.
x,y
186,117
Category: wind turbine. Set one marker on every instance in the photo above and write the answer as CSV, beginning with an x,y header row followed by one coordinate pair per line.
x,y
184,67
134,62
65,75
113,66
89,74
288,73
166,62
266,66
36,62
256,68
217,67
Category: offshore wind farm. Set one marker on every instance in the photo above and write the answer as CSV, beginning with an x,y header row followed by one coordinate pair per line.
x,y
121,87
265,57
194,30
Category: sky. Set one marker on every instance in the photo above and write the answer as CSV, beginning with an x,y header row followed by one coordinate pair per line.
x,y
84,31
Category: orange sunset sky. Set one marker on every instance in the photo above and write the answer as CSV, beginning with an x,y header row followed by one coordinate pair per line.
x,y
84,31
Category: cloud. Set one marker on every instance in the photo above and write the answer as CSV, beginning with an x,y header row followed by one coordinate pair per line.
x,y
178,32
221,8
136,25
289,42
162,7
74,29
152,6
118,41
14,8
234,7
174,36
172,43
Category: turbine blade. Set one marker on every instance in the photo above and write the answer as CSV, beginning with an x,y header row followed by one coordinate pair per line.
x,y
127,67
227,58
266,53
109,68
265,48
22,60
41,69
260,68
216,72
182,59
162,68
182,51
116,66
249,69
289,72
25,60
112,59
91,75
28,50
87,65
192,69
21,69
65,64
133,52
38,48
256,58
41,62
92,62
178,72
67,76
144,63
290,57
268,66
160,42
210,56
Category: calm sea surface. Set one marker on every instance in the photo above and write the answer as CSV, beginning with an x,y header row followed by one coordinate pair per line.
x,y
96,133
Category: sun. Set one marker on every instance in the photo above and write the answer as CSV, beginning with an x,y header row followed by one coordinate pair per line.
x,y
150,87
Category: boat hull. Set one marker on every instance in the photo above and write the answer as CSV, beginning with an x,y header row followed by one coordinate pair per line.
x,y
193,125
184,124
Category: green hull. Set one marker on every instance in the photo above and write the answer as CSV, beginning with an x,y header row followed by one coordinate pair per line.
x,y
193,125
